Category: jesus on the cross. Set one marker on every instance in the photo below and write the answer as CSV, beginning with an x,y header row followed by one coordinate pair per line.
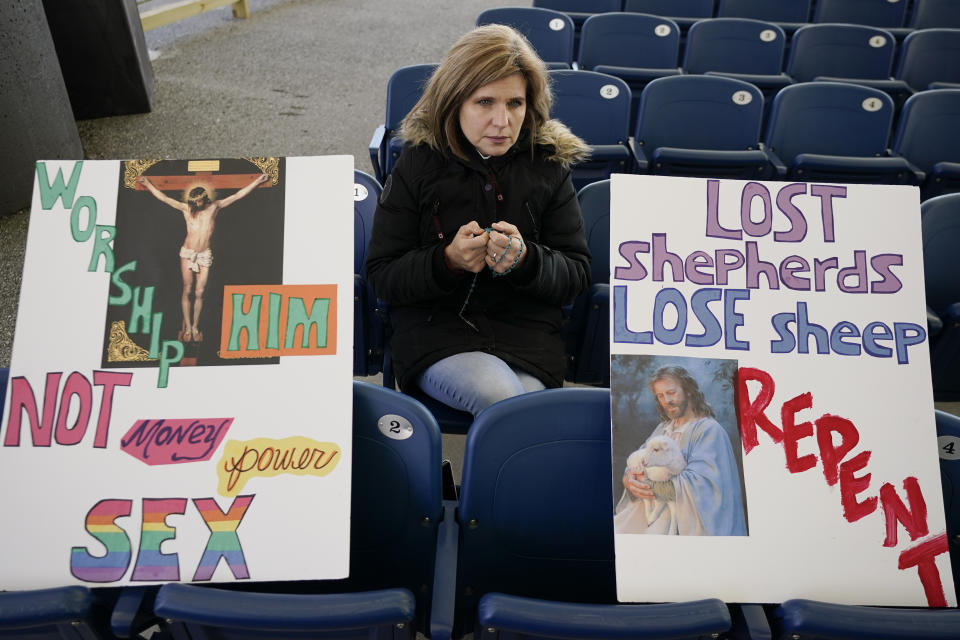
x,y
196,256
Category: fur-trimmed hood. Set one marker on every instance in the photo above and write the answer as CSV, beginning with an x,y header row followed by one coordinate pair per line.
x,y
561,144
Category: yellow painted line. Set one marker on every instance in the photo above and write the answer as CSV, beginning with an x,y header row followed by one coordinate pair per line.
x,y
177,11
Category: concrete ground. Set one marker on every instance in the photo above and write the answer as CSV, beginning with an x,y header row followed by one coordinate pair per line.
x,y
299,77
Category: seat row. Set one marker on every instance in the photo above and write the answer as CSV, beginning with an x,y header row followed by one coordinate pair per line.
x,y
916,14
710,126
659,46
474,563
640,47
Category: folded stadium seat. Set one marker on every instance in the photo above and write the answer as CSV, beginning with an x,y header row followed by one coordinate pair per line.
x,y
704,126
812,619
928,14
930,59
56,613
948,440
886,14
550,32
588,327
596,107
846,53
535,554
579,11
940,224
789,14
928,135
741,48
368,328
836,132
635,47
682,12
393,543
404,88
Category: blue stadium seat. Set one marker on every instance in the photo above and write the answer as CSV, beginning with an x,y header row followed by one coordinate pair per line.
x,y
741,48
635,47
588,330
836,132
393,543
368,330
546,537
394,533
789,14
683,12
846,53
403,90
579,11
752,50
888,14
59,613
928,135
550,32
193,612
706,126
930,59
948,439
812,619
940,223
928,14
596,107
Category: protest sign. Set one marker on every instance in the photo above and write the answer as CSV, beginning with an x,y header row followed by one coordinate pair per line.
x,y
179,403
773,425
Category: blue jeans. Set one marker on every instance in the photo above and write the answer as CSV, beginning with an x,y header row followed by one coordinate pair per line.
x,y
474,380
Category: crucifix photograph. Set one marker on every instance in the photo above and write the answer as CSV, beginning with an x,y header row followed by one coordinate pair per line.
x,y
184,260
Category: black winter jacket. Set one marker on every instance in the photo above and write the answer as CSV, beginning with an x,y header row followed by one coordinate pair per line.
x,y
426,199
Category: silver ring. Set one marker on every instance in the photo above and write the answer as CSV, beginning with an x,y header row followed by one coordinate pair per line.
x,y
494,255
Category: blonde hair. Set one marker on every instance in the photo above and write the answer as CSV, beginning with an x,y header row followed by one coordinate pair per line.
x,y
484,55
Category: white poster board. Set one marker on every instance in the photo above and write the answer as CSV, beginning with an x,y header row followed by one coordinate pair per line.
x,y
797,313
174,413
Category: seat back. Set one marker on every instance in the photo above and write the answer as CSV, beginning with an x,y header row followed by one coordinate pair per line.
x,y
830,118
940,224
596,107
875,13
629,40
579,6
779,11
840,50
588,332
734,45
930,55
404,89
948,439
366,194
928,131
536,505
394,524
550,32
368,327
699,112
595,208
671,8
928,14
